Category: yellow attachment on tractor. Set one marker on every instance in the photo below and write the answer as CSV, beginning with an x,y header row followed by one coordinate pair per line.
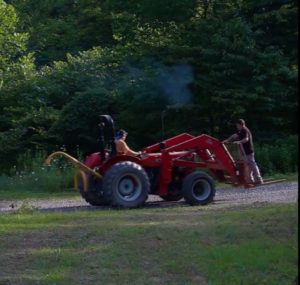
x,y
73,161
81,174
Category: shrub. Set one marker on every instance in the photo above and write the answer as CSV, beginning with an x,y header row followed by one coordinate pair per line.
x,y
280,157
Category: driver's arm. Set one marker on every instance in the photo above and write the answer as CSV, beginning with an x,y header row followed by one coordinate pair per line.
x,y
122,147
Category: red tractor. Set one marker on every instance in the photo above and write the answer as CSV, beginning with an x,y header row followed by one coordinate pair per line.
x,y
169,169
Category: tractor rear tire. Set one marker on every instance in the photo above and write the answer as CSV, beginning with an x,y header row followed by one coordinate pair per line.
x,y
198,188
126,184
94,194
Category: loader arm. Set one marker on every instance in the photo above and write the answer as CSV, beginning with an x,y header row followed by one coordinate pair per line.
x,y
213,153
168,143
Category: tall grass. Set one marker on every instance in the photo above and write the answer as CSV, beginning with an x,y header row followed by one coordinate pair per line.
x,y
279,157
31,175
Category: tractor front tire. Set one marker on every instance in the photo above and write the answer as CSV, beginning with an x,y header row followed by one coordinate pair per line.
x,y
198,188
126,184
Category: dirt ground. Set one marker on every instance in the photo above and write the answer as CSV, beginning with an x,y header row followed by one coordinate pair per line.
x,y
284,192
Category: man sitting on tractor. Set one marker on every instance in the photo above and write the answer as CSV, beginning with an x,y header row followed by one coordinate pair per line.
x,y
121,145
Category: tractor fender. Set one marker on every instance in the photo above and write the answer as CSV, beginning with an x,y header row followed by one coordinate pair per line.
x,y
93,160
117,159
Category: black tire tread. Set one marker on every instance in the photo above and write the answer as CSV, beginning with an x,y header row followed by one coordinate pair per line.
x,y
113,172
187,184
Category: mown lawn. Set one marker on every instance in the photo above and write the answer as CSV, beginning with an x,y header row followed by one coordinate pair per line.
x,y
179,245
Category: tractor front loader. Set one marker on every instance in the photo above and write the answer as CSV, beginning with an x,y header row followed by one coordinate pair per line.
x,y
183,166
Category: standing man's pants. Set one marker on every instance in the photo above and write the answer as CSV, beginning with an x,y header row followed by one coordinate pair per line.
x,y
253,168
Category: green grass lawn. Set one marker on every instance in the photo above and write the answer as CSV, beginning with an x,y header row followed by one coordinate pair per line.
x,y
179,245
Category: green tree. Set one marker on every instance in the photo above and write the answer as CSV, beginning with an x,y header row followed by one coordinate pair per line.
x,y
212,61
274,24
60,27
17,72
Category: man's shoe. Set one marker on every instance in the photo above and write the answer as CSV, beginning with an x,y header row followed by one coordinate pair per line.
x,y
259,182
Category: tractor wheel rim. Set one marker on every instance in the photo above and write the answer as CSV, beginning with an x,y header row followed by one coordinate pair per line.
x,y
129,187
201,189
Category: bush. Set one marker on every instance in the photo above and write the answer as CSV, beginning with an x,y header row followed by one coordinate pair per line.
x,y
280,157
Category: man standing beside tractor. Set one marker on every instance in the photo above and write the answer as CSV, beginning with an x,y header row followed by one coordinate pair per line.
x,y
244,139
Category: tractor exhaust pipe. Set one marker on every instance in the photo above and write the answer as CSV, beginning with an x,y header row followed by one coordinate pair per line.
x,y
162,115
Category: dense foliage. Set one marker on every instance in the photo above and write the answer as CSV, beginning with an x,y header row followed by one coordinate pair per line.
x,y
64,62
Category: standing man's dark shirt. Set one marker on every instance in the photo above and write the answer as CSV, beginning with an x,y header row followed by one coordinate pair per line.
x,y
248,146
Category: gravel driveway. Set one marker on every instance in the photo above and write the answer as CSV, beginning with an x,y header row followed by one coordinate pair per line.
x,y
284,192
